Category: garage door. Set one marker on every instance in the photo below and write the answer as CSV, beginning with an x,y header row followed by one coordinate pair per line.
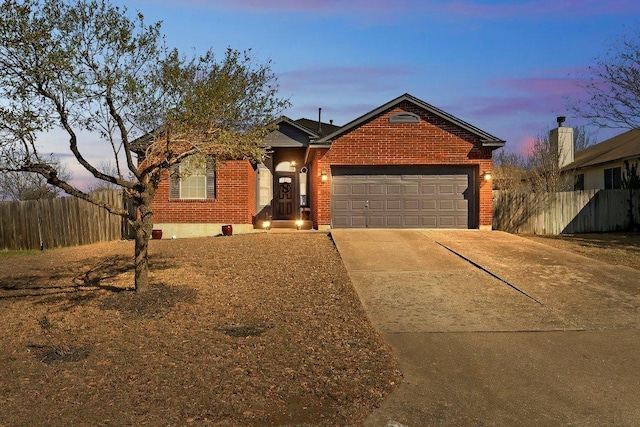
x,y
402,197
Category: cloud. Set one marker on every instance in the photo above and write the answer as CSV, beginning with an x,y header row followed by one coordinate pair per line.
x,y
498,10
335,7
336,78
470,9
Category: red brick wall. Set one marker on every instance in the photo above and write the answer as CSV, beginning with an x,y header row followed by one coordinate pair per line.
x,y
234,202
432,141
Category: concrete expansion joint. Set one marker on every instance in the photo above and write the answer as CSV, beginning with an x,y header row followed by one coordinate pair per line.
x,y
478,266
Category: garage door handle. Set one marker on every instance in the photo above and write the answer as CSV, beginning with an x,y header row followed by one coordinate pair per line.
x,y
366,204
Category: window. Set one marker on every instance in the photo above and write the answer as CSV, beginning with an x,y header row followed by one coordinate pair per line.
x,y
613,178
193,181
578,183
193,178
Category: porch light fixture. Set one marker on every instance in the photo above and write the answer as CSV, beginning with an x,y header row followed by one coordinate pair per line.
x,y
266,224
486,175
323,176
299,223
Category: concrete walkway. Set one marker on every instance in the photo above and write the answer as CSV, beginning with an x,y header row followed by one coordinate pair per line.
x,y
495,330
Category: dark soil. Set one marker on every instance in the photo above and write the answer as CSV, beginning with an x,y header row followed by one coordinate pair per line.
x,y
261,329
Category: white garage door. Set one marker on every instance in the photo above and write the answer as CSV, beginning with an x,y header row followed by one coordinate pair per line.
x,y
416,197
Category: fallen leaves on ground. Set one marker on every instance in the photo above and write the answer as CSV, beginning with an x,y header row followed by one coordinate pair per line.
x,y
260,329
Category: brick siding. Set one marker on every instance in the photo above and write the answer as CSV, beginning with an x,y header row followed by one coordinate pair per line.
x,y
234,202
432,141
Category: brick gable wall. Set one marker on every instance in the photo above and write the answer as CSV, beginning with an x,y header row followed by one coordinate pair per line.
x,y
234,202
432,141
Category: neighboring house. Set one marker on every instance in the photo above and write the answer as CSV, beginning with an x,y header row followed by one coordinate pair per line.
x,y
601,166
405,164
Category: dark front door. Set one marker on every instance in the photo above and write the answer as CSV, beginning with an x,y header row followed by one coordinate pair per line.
x,y
286,197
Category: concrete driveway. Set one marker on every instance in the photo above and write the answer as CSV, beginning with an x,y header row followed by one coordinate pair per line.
x,y
491,329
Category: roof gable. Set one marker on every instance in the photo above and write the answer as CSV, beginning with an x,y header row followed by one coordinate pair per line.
x,y
297,133
619,148
487,139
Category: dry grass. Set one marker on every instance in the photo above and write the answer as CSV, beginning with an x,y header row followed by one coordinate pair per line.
x,y
260,329
613,248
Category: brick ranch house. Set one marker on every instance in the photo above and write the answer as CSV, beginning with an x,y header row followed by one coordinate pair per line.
x,y
405,164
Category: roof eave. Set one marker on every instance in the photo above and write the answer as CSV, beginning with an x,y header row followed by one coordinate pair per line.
x,y
493,144
428,107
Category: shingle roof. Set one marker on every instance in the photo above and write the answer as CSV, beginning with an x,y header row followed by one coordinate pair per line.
x,y
487,139
622,147
312,125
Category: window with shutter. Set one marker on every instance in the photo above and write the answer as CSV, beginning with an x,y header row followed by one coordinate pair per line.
x,y
192,179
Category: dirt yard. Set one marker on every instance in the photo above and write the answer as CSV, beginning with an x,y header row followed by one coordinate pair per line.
x,y
260,329
613,248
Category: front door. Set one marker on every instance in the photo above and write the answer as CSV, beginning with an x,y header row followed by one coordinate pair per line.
x,y
286,197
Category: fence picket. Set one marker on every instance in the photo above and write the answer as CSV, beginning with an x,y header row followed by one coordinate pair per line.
x,y
66,221
589,211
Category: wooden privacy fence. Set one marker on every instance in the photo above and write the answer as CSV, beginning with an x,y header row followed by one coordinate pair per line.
x,y
66,221
569,212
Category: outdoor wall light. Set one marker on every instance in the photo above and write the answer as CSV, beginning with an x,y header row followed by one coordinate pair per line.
x,y
323,176
299,223
266,224
487,175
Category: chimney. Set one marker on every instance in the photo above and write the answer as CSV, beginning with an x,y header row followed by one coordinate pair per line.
x,y
561,139
319,120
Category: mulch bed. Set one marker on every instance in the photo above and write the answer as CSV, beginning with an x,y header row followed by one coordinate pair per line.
x,y
261,329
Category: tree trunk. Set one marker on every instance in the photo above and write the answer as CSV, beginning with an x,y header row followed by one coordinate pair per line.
x,y
143,227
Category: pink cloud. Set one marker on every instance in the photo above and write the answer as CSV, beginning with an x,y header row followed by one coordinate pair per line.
x,y
549,85
461,8
321,79
278,6
509,9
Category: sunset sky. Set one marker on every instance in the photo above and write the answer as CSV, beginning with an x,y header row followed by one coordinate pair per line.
x,y
507,67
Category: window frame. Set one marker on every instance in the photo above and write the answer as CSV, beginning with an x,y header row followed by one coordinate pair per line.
x,y
210,182
613,178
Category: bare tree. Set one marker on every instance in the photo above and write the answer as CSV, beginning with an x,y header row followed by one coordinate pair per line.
x,y
85,65
582,138
538,170
108,168
510,172
613,86
20,186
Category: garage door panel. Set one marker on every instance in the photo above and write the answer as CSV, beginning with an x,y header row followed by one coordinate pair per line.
x,y
358,189
394,205
376,221
429,189
341,205
411,205
340,189
376,205
429,221
429,205
411,189
376,189
412,221
446,190
394,221
447,221
433,198
393,190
